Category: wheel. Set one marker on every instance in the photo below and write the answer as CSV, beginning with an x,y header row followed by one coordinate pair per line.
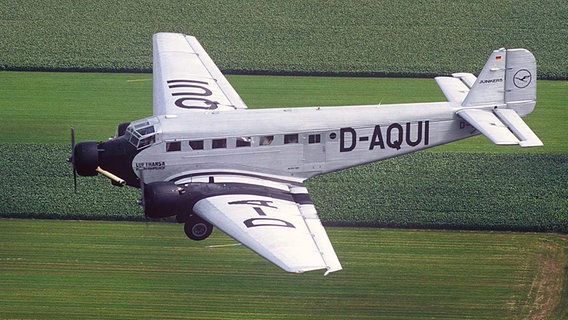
x,y
197,229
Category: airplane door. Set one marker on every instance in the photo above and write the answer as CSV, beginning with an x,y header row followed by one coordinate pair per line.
x,y
314,147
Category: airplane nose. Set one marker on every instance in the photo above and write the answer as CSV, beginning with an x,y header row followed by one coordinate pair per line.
x,y
112,158
86,158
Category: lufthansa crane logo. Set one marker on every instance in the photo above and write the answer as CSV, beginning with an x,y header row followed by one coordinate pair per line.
x,y
522,78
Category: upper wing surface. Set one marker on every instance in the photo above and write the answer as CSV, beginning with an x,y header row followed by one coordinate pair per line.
x,y
185,79
281,226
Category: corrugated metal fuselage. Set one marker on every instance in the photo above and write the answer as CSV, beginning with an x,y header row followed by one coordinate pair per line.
x,y
294,143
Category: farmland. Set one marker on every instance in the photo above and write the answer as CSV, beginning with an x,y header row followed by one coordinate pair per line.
x,y
66,267
47,104
426,190
80,269
108,270
379,38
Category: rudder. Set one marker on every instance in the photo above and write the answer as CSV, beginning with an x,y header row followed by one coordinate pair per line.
x,y
520,81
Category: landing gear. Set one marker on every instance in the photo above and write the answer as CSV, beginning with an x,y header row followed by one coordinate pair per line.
x,y
197,229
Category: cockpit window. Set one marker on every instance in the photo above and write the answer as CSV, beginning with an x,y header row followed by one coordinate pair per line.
x,y
142,133
146,130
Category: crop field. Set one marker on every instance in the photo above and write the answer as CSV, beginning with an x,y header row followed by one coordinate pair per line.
x,y
108,270
40,107
70,269
81,269
524,190
57,265
387,37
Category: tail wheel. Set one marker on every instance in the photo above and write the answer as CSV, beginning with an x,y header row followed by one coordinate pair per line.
x,y
197,229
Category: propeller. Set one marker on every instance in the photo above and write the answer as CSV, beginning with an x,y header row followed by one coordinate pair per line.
x,y
142,200
71,159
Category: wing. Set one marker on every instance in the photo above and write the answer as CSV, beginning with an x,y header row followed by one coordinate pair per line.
x,y
185,79
280,225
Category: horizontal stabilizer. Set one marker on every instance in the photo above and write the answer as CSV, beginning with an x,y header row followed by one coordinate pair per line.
x,y
488,124
502,127
467,78
519,127
456,87
453,88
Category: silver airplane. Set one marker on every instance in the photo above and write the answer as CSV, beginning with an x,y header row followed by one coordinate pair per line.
x,y
206,159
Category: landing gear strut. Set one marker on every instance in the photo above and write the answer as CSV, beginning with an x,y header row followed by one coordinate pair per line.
x,y
197,229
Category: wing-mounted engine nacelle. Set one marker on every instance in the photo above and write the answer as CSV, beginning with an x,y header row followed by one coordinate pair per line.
x,y
165,199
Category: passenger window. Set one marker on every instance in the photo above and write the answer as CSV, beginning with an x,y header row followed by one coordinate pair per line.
x,y
219,143
243,142
196,144
173,146
290,138
314,138
266,140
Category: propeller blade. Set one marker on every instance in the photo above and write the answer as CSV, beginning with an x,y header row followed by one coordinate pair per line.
x,y
72,159
142,201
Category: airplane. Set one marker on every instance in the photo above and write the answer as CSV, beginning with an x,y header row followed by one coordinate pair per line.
x,y
206,159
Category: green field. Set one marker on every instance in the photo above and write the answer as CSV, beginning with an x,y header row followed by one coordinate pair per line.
x,y
80,269
425,190
108,270
523,190
41,107
386,37
53,269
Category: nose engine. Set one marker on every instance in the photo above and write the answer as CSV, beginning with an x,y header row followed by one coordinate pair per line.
x,y
90,157
86,158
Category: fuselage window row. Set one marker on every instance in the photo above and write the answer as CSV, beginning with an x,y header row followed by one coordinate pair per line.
x,y
173,146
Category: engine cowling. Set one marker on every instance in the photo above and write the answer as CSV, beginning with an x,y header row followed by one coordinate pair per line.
x,y
122,128
86,158
165,199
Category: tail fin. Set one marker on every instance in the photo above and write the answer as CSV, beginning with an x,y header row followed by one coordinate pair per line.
x,y
504,92
509,77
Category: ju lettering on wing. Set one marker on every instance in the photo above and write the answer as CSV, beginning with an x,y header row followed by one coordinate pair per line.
x,y
263,220
193,94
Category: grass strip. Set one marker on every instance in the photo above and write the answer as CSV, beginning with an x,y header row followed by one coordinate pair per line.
x,y
85,269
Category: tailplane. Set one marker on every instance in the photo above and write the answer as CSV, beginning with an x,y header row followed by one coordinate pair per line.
x,y
495,101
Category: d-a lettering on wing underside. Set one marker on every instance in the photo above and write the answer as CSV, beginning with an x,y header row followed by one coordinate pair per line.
x,y
281,225
185,79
